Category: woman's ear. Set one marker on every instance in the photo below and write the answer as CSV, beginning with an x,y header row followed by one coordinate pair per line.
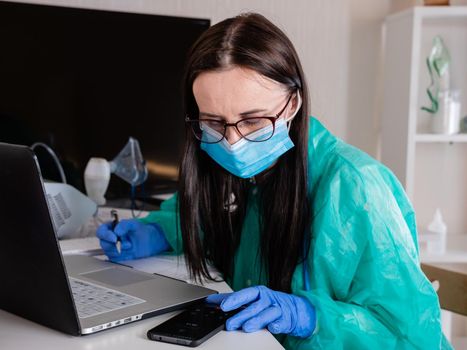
x,y
296,103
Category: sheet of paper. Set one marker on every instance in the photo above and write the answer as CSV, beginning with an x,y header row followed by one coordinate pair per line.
x,y
168,265
84,246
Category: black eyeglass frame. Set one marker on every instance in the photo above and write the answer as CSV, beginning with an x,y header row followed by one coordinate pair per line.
x,y
273,120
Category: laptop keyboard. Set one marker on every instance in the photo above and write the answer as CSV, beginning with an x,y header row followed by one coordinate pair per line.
x,y
92,300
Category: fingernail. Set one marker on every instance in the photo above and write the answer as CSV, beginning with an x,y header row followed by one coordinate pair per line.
x,y
249,328
230,326
226,305
274,328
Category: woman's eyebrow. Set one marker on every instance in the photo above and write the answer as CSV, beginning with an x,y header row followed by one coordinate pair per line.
x,y
212,115
252,111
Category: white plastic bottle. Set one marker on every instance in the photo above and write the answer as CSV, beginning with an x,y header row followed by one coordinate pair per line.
x,y
437,231
96,179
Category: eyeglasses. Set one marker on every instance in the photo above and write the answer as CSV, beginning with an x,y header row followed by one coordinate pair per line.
x,y
245,127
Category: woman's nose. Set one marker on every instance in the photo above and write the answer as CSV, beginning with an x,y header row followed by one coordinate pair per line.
x,y
232,135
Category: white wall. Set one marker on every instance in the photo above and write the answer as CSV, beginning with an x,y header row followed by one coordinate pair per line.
x,y
338,42
364,89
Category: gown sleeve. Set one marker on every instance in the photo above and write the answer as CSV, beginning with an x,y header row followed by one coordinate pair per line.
x,y
366,283
167,219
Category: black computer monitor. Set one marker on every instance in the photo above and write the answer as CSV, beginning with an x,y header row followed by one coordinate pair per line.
x,y
83,81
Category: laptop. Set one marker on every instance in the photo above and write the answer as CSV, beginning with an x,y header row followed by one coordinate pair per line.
x,y
74,294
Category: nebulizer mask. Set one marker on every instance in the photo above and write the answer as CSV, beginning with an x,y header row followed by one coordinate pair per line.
x,y
129,165
445,101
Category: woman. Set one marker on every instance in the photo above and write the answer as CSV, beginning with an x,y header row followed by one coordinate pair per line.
x,y
316,237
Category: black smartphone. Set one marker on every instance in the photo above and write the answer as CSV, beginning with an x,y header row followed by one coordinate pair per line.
x,y
193,326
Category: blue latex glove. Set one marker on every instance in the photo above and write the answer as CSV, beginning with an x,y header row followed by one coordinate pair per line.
x,y
279,312
138,240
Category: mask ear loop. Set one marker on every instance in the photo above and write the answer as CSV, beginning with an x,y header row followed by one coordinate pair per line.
x,y
299,105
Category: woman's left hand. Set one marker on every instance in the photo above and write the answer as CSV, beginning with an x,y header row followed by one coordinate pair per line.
x,y
279,312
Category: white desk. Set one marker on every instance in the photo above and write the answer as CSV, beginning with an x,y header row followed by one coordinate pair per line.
x,y
17,333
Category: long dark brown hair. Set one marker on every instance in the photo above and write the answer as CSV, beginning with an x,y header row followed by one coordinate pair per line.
x,y
210,228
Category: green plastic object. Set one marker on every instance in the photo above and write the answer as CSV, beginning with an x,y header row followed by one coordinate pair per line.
x,y
438,63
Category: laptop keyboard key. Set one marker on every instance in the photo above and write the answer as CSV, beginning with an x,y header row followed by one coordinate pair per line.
x,y
92,300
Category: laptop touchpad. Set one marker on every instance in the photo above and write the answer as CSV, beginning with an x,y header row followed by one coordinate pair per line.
x,y
116,277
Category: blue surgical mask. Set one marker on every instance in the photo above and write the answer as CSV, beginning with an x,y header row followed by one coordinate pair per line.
x,y
244,158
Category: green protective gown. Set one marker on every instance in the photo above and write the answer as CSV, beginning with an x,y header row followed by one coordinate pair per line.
x,y
365,280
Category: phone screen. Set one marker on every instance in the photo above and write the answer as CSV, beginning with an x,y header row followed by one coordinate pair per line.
x,y
193,326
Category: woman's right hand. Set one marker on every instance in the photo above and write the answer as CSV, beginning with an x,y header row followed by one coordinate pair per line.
x,y
138,240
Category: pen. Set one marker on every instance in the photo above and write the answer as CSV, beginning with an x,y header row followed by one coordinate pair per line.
x,y
115,221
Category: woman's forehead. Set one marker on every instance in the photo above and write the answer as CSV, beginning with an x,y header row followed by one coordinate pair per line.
x,y
235,84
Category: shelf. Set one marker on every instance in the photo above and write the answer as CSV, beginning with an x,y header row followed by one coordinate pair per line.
x,y
456,251
440,138
450,256
441,12
431,12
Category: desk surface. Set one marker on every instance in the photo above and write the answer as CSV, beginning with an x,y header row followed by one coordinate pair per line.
x,y
19,333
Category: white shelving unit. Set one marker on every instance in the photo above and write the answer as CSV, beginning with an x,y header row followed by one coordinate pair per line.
x,y
431,167
441,138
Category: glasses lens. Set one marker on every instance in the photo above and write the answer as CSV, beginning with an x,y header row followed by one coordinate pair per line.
x,y
209,131
256,129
